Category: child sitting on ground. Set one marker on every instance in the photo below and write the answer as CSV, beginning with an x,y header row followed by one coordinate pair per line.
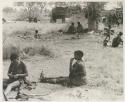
x,y
77,75
17,73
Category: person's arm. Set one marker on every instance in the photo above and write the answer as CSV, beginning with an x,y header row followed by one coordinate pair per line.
x,y
70,65
121,41
10,71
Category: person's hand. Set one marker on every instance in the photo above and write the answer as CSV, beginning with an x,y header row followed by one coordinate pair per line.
x,y
11,76
71,60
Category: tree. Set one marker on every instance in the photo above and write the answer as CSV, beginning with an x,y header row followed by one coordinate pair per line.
x,y
93,14
18,3
115,16
41,5
8,10
31,11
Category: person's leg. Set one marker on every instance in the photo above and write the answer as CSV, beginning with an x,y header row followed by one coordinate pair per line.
x,y
106,37
62,80
10,86
56,80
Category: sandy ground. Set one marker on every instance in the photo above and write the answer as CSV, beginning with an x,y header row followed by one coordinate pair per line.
x,y
104,68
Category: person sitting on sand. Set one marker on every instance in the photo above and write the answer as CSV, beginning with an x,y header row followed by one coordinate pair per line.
x,y
17,73
71,29
77,75
79,29
116,41
37,36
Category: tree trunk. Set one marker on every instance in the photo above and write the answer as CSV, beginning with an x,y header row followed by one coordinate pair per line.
x,y
92,25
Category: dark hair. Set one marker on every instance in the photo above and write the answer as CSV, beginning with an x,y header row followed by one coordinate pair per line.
x,y
109,26
120,33
78,23
79,53
13,56
36,31
72,23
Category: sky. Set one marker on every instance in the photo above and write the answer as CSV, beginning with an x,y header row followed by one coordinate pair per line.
x,y
111,5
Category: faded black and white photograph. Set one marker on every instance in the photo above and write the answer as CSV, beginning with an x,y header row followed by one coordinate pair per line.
x,y
70,51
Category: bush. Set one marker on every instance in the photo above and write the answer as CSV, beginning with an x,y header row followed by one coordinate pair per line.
x,y
46,52
26,51
31,51
9,49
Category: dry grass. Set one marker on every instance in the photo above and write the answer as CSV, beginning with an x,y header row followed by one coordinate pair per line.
x,y
13,31
26,51
104,66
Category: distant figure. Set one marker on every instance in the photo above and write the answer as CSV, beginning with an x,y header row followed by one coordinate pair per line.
x,y
71,29
37,36
105,43
17,73
108,33
77,75
117,40
79,29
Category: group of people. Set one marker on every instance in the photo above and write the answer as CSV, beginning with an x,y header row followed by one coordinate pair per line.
x,y
116,41
18,72
72,29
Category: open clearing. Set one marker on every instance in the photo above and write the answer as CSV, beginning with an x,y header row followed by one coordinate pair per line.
x,y
104,66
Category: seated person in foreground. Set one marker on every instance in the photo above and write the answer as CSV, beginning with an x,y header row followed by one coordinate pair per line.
x,y
17,73
117,40
71,29
77,74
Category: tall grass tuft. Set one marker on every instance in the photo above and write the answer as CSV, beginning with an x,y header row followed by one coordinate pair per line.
x,y
26,51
